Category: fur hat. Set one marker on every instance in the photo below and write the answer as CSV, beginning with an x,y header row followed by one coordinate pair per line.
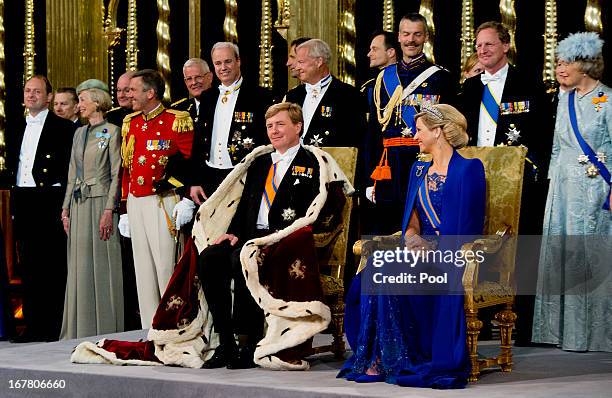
x,y
580,46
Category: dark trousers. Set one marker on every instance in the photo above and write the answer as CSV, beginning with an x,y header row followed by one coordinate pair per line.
x,y
218,265
41,250
131,313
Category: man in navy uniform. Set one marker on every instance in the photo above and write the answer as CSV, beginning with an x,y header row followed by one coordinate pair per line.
x,y
390,148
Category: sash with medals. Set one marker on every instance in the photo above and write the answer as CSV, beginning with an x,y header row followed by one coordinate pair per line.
x,y
586,148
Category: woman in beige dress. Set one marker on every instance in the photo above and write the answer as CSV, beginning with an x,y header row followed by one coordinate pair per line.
x,y
94,289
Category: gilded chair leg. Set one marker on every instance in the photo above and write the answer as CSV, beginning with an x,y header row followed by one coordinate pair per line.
x,y
473,330
506,319
338,347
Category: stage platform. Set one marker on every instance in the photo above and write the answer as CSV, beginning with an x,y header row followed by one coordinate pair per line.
x,y
539,372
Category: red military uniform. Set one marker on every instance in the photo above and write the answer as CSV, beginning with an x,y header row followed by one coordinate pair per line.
x,y
153,145
148,143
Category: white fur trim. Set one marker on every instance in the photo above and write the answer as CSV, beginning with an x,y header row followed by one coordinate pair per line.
x,y
88,352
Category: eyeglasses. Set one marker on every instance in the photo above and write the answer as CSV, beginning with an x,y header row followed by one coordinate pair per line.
x,y
198,78
486,45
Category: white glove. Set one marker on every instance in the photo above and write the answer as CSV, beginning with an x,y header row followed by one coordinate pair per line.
x,y
183,212
369,193
124,226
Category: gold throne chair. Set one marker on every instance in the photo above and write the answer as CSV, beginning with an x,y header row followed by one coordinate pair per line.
x,y
504,169
332,249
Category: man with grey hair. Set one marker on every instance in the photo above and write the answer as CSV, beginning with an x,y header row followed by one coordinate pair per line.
x,y
333,110
198,79
231,124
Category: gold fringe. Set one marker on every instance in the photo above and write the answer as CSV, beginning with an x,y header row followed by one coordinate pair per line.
x,y
394,101
127,147
182,121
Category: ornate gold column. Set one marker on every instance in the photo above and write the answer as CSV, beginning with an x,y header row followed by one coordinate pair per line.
x,y
265,46
229,24
163,43
131,45
28,45
426,10
467,30
283,18
2,91
592,17
346,41
388,16
508,17
550,41
112,34
195,40
76,45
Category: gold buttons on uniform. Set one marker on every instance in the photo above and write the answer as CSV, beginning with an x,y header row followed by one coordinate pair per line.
x,y
44,170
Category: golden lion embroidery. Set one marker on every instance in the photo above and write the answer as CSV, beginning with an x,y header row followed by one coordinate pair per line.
x,y
297,270
174,303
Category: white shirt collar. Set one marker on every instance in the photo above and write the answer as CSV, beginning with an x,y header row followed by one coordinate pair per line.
x,y
499,75
39,118
232,87
320,84
289,154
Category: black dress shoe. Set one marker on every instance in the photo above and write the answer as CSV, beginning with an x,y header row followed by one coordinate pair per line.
x,y
244,358
221,358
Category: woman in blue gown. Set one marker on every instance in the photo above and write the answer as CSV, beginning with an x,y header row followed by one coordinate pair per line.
x,y
419,340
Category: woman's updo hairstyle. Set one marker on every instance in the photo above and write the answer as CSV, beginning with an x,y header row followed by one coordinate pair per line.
x,y
449,119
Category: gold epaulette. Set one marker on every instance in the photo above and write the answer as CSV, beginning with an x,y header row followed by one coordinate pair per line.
x,y
365,85
114,109
182,121
178,102
127,146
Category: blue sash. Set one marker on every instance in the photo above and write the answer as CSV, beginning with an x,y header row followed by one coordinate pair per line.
x,y
586,148
490,104
392,81
429,210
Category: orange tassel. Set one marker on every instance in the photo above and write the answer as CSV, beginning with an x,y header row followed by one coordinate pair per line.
x,y
381,173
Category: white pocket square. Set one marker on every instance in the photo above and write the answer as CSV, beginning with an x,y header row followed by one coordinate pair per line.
x,y
296,182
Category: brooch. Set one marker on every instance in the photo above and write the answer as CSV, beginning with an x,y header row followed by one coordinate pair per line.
x,y
288,214
142,159
419,171
601,99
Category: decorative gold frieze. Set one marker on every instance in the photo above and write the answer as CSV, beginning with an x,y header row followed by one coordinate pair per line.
x,y
229,23
550,40
163,44
467,30
508,17
388,16
28,45
131,46
426,10
346,41
592,17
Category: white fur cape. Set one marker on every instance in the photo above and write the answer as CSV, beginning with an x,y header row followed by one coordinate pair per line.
x,y
298,320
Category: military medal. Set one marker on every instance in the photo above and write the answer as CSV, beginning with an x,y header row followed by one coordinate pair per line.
x,y
583,159
316,140
140,180
601,157
288,214
142,159
592,171
406,132
224,98
247,143
513,134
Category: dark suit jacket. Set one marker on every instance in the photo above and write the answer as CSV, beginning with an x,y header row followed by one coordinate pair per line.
x,y
531,125
535,134
341,123
115,116
52,153
248,123
290,195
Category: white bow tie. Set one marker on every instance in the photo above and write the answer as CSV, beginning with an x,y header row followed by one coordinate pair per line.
x,y
313,89
277,157
486,78
32,120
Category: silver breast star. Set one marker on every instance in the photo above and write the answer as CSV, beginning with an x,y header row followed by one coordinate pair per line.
x,y
513,134
288,214
316,140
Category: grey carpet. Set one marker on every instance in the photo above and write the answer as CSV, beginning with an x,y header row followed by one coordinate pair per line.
x,y
538,372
